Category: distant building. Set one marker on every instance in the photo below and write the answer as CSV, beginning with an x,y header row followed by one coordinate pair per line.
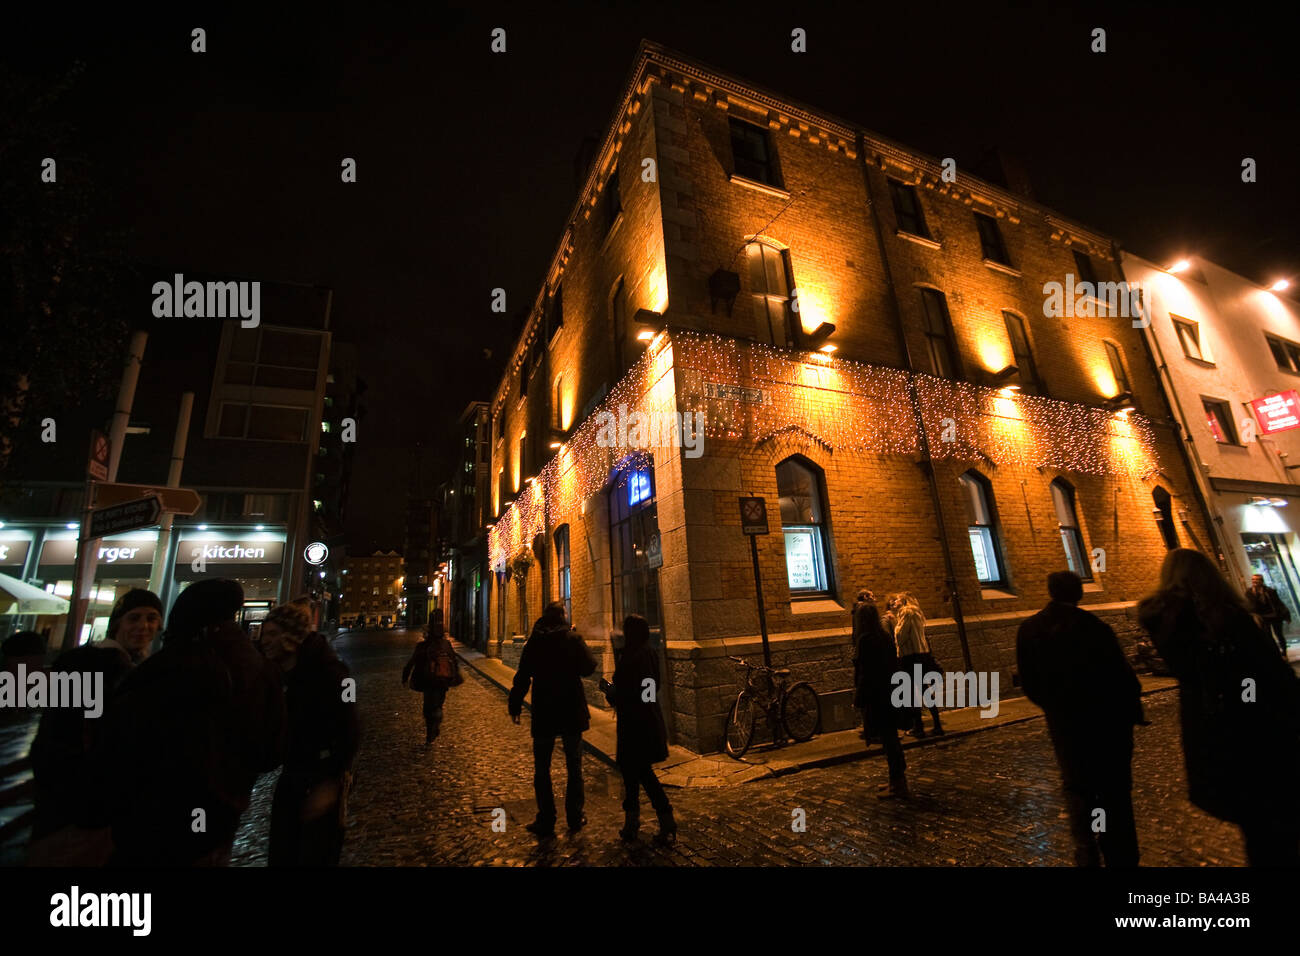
x,y
463,506
421,559
372,587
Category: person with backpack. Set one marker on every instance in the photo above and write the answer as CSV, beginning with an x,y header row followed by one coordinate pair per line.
x,y
193,727
432,669
641,733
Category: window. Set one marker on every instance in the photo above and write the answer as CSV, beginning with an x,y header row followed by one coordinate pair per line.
x,y
907,209
554,319
618,320
991,239
986,549
752,152
522,460
770,285
1076,555
1218,415
1117,368
612,202
1022,355
1189,336
273,358
1164,514
803,520
1083,268
938,334
633,529
562,564
1285,353
557,403
262,422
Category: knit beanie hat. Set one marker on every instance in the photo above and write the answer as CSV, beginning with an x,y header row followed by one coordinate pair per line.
x,y
128,602
202,605
294,619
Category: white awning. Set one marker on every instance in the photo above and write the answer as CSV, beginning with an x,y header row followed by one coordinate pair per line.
x,y
17,597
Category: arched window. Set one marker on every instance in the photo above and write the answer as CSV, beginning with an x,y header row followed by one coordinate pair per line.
x,y
562,565
769,282
1164,514
635,554
1076,555
803,520
985,545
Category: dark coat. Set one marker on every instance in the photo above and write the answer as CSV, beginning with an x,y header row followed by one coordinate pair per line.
x,y
642,734
1243,758
323,728
1072,667
194,726
67,753
554,661
877,664
1266,603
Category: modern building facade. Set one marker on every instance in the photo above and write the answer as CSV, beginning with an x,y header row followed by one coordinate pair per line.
x,y
253,439
1229,354
421,559
373,588
465,498
753,299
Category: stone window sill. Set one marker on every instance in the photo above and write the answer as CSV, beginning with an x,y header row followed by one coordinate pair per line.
x,y
919,240
822,606
776,191
1003,267
1092,586
996,594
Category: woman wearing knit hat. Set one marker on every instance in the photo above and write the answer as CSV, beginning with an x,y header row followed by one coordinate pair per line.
x,y
309,809
71,825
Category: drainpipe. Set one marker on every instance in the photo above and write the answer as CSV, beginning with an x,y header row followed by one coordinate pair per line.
x,y
1186,443
927,465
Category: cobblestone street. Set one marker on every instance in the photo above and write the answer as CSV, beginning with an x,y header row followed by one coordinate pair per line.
x,y
987,799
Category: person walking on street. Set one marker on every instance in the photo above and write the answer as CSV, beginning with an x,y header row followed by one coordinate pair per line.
x,y
193,727
71,825
1239,705
642,735
1269,608
1072,667
431,671
877,664
913,649
554,661
309,809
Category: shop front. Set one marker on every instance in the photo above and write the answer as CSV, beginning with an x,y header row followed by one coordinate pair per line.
x,y
1261,521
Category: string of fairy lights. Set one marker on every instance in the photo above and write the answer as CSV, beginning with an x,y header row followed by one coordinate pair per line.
x,y
747,392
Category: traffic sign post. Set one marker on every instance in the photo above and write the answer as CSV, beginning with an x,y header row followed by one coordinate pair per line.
x,y
753,522
176,501
125,517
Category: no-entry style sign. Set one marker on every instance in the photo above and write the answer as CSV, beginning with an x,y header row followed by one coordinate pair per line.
x,y
1277,413
753,516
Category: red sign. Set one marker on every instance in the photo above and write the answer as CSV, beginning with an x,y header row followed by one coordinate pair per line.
x,y
1277,413
97,463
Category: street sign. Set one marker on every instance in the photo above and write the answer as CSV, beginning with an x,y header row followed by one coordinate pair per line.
x,y
654,552
125,517
753,516
178,501
97,461
1277,413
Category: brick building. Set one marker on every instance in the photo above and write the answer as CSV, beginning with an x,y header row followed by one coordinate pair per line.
x,y
372,587
872,350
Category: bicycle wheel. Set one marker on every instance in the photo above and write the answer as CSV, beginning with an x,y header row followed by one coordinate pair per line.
x,y
801,712
740,726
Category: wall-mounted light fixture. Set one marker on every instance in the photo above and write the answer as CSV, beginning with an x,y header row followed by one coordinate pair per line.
x,y
649,324
724,285
1123,402
1006,377
819,338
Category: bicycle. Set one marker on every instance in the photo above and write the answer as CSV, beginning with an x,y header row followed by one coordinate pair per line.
x,y
796,709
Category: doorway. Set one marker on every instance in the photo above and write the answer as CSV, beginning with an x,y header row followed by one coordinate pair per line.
x,y
1269,555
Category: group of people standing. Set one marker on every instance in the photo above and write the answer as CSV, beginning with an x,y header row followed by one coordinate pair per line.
x,y
164,775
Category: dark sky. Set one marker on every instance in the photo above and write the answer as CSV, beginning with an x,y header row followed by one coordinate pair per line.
x,y
228,161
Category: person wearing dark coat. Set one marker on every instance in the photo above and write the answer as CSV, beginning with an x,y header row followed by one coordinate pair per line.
x,y
1072,667
71,826
1272,612
193,727
1239,704
417,671
309,809
877,664
554,661
642,735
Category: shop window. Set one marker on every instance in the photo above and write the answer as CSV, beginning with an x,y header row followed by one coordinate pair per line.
x,y
907,209
991,244
769,283
633,529
751,148
1164,515
985,543
938,334
1076,554
801,488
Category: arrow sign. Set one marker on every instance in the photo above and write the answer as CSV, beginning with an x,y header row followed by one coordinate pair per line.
x,y
179,501
125,517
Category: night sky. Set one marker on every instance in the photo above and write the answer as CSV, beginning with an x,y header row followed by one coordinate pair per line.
x,y
228,161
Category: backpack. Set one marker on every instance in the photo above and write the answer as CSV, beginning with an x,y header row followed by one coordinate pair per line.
x,y
444,670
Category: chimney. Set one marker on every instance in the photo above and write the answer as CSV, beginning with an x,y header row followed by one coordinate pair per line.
x,y
1004,169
